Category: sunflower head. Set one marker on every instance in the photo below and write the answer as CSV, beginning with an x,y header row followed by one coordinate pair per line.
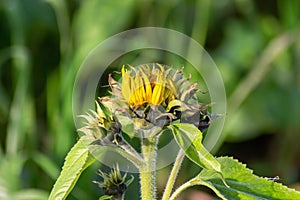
x,y
147,86
155,95
147,97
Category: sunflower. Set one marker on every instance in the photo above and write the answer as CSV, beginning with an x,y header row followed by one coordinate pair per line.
x,y
147,96
147,85
157,94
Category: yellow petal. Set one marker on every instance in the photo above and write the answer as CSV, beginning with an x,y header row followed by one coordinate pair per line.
x,y
145,68
133,99
142,90
147,85
155,94
157,91
137,91
162,69
159,95
126,92
162,94
172,86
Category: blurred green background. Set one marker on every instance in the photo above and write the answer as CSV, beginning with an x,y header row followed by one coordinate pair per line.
x,y
255,44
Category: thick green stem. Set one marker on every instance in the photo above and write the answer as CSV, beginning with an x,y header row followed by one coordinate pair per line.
x,y
173,174
147,171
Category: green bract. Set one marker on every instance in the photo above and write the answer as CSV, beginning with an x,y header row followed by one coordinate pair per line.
x,y
114,184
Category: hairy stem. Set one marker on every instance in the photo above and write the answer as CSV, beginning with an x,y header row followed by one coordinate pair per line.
x,y
137,159
173,174
182,188
147,171
194,181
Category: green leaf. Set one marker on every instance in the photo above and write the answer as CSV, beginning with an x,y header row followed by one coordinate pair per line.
x,y
77,160
243,183
189,138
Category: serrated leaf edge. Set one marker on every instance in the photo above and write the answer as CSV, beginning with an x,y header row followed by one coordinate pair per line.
x,y
262,178
79,170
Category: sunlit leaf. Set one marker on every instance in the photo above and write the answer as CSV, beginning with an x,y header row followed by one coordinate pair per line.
x,y
243,184
77,160
189,138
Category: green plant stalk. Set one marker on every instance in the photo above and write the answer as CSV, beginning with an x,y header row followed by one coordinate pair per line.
x,y
147,171
173,174
181,189
190,183
134,156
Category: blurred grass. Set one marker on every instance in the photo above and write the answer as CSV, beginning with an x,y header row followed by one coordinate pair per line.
x,y
255,44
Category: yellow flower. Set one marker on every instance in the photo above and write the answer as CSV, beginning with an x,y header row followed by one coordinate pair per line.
x,y
147,85
146,96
